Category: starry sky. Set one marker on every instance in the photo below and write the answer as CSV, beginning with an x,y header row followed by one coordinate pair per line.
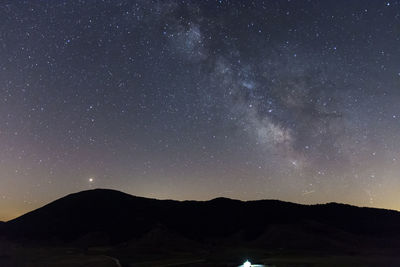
x,y
291,100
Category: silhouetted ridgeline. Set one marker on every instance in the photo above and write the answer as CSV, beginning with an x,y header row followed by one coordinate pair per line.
x,y
116,217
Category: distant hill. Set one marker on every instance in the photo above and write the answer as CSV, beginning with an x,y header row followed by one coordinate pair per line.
x,y
110,216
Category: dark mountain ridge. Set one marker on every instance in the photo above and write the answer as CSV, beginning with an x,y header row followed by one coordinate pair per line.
x,y
120,217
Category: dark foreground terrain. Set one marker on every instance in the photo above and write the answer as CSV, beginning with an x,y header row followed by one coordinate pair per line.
x,y
110,228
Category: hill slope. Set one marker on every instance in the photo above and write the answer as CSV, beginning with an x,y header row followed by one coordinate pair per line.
x,y
117,217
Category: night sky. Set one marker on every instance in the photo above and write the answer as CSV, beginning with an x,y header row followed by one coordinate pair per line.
x,y
291,100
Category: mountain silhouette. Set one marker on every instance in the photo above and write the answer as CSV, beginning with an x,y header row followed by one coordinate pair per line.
x,y
112,217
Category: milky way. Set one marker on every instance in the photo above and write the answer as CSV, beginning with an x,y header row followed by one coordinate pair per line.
x,y
294,100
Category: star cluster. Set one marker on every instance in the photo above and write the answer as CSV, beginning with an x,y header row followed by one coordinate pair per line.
x,y
295,100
